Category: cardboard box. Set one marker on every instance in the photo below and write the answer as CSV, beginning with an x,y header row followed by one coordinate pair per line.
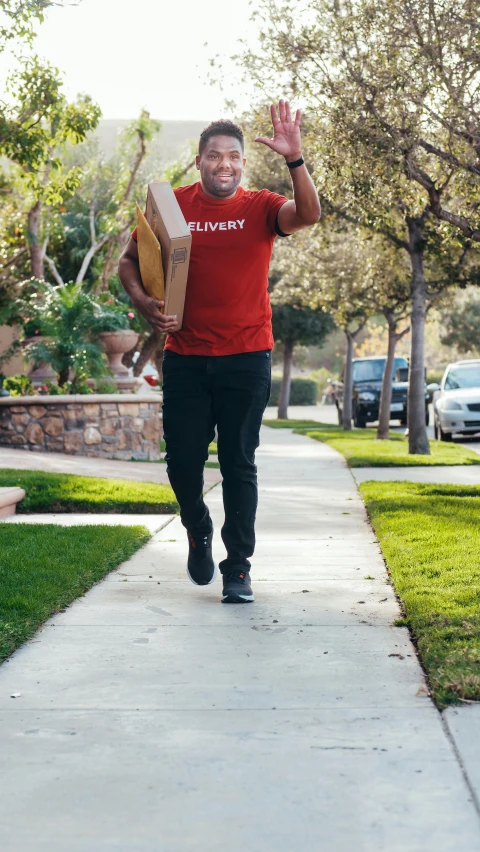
x,y
167,222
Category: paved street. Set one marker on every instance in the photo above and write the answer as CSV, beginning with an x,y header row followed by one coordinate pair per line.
x,y
151,717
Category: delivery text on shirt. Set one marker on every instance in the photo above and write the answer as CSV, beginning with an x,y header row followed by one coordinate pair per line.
x,y
232,225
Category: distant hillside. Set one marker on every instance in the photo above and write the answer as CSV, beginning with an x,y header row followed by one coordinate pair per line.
x,y
173,135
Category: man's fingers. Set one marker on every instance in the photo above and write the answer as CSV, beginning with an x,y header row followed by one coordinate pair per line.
x,y
281,110
288,114
298,117
264,141
273,113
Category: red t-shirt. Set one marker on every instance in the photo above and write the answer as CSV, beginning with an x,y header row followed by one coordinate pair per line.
x,y
227,306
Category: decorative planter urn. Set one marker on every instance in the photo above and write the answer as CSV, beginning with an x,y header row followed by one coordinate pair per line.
x,y
116,343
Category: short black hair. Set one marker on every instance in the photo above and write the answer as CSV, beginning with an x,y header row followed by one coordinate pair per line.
x,y
220,128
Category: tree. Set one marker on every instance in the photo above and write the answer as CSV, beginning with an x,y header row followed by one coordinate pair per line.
x,y
328,269
18,17
293,324
353,65
33,128
102,210
462,326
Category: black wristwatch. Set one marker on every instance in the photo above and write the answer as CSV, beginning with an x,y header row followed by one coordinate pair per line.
x,y
296,163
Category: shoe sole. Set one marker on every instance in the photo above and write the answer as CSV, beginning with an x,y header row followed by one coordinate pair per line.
x,y
204,584
238,599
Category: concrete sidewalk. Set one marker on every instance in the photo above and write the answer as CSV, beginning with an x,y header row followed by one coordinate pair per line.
x,y
458,474
151,718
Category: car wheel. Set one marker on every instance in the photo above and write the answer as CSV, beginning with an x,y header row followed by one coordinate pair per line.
x,y
436,430
445,436
427,416
358,421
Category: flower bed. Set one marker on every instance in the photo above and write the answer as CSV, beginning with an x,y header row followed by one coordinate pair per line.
x,y
120,426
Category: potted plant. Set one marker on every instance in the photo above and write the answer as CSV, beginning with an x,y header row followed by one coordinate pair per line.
x,y
113,325
65,318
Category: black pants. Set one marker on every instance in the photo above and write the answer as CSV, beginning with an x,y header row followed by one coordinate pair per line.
x,y
199,393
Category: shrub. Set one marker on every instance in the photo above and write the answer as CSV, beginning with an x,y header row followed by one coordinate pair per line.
x,y
19,385
105,386
302,392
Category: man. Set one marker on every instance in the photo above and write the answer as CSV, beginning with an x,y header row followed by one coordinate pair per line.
x,y
216,369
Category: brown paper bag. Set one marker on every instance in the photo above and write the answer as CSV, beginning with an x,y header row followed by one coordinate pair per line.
x,y
150,258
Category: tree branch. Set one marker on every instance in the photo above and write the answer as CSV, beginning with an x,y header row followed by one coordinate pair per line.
x,y
54,270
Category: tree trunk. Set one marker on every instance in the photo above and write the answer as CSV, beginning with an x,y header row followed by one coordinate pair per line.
x,y
34,247
148,350
386,395
417,429
63,376
127,357
159,357
348,381
284,396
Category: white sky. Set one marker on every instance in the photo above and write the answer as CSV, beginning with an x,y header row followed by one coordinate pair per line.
x,y
129,54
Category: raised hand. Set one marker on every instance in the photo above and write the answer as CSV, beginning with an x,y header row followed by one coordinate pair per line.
x,y
286,132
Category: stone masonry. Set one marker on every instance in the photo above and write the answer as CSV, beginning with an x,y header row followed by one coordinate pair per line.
x,y
118,426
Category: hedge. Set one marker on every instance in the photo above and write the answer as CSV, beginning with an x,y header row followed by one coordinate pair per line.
x,y
302,392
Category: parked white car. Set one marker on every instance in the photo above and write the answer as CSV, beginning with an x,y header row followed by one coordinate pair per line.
x,y
456,402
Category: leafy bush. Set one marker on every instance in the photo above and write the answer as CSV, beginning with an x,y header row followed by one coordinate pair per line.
x,y
65,318
105,386
302,392
19,385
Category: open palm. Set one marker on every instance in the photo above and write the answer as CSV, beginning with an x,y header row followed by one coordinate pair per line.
x,y
286,131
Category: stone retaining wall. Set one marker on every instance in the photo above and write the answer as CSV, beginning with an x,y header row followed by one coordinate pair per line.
x,y
120,426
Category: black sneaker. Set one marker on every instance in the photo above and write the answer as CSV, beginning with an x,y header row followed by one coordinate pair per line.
x,y
236,587
200,566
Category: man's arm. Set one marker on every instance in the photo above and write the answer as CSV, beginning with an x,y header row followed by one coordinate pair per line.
x,y
304,210
150,308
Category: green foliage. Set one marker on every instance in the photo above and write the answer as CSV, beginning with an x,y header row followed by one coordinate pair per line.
x,y
62,492
44,567
429,537
35,121
302,392
52,390
17,19
105,386
362,449
300,324
19,385
462,327
65,317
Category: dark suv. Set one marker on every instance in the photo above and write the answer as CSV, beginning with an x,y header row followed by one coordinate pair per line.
x,y
367,387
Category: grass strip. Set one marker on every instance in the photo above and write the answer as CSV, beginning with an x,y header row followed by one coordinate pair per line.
x,y
44,567
362,449
64,492
429,536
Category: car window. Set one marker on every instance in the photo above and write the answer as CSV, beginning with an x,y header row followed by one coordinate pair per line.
x,y
463,376
372,370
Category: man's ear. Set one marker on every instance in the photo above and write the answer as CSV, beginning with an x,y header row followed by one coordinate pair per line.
x,y
197,161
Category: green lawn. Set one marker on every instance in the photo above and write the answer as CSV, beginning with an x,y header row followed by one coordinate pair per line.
x,y
430,538
43,568
212,449
361,448
63,492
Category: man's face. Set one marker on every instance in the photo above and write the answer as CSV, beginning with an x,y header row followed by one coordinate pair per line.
x,y
221,166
